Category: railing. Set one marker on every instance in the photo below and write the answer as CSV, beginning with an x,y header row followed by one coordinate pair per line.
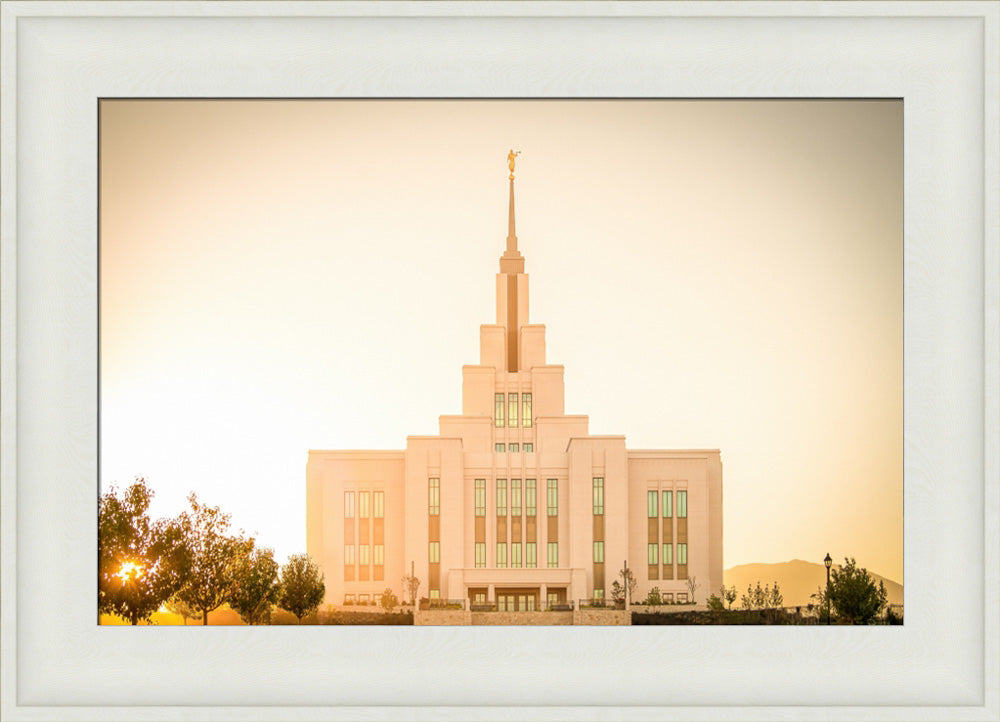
x,y
539,607
566,606
442,604
599,604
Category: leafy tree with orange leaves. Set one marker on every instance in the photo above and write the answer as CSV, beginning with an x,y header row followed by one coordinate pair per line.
x,y
140,561
255,586
182,609
302,586
212,556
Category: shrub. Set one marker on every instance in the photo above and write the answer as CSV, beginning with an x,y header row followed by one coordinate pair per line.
x,y
853,595
389,600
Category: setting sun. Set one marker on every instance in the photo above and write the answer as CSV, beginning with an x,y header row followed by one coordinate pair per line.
x,y
130,570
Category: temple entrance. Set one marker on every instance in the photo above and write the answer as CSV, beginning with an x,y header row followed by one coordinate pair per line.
x,y
556,598
477,599
517,600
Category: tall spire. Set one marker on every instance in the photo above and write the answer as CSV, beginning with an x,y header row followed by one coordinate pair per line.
x,y
511,235
511,261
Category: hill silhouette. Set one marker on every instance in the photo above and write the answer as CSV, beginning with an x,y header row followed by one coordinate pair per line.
x,y
797,580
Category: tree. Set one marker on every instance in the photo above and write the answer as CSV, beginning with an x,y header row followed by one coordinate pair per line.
x,y
853,594
411,585
139,560
617,592
692,585
729,595
389,600
821,606
628,583
771,600
212,556
255,585
715,603
182,609
302,586
654,598
776,598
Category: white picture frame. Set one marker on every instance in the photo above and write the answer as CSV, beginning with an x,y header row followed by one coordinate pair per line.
x,y
60,57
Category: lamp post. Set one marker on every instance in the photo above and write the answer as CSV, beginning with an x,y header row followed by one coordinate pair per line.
x,y
828,562
628,593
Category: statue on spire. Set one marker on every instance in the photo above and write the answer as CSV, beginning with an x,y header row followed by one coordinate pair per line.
x,y
510,161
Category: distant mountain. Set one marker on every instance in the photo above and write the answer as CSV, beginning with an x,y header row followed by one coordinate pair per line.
x,y
797,580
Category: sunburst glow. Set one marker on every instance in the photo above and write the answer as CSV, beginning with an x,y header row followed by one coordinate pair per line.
x,y
130,571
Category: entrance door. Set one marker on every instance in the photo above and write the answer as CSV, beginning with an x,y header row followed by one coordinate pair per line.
x,y
518,599
477,599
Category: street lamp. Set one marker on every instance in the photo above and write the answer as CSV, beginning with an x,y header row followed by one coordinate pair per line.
x,y
628,592
828,562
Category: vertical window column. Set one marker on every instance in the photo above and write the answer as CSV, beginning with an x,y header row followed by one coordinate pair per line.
x,y
434,533
434,497
652,533
552,535
498,410
350,562
667,559
378,535
480,512
364,535
530,525
682,533
501,559
526,410
515,523
598,532
512,410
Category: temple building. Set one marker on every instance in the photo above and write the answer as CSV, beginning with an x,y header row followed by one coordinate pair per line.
x,y
514,505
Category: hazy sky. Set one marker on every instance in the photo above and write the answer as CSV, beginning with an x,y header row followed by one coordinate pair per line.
x,y
279,276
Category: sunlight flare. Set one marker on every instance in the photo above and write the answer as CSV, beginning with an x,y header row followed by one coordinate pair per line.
x,y
130,571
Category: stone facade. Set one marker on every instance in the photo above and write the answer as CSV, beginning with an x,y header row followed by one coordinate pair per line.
x,y
603,617
527,619
442,617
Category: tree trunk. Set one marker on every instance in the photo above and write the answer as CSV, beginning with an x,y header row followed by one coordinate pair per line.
x,y
204,617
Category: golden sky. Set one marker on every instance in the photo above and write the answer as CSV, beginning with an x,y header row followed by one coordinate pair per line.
x,y
284,275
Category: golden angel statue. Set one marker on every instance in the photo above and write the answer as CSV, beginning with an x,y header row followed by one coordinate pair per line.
x,y
510,161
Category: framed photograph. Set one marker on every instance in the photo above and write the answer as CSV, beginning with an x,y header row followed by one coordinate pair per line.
x,y
384,108
328,253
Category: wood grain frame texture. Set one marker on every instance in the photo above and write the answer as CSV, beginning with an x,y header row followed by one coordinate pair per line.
x,y
59,57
